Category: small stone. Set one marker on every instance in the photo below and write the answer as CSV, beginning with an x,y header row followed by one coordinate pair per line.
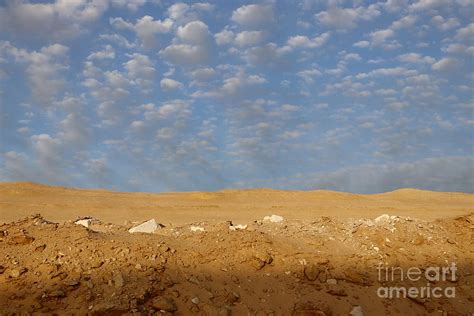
x,y
40,248
164,304
264,256
195,300
311,272
15,273
331,281
356,311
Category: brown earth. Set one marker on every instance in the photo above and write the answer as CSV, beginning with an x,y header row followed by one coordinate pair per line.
x,y
307,264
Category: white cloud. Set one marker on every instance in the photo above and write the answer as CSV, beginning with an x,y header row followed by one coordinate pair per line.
x,y
361,44
466,33
444,24
303,41
379,37
184,54
107,53
458,49
347,18
423,5
44,69
308,75
195,47
387,72
170,84
268,55
253,15
183,13
203,74
416,58
235,86
140,70
195,32
224,37
146,29
446,64
405,22
249,38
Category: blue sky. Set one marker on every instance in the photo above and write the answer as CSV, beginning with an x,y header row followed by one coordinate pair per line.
x,y
165,96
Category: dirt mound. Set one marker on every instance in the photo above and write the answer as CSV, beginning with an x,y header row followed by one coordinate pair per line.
x,y
324,266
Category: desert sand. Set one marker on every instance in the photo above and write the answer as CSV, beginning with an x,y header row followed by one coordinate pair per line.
x,y
323,258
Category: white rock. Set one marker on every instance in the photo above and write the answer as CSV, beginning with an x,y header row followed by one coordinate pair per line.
x,y
382,218
147,227
197,229
84,222
274,218
356,311
195,300
238,227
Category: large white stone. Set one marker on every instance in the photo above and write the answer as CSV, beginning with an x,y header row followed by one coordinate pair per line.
x,y
84,222
382,218
197,229
274,218
147,227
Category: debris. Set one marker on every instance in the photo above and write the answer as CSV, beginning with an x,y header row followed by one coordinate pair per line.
x,y
195,300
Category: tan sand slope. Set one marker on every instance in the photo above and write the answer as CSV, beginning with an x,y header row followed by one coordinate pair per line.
x,y
21,199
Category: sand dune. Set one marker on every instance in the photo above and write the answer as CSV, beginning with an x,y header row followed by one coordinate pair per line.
x,y
56,203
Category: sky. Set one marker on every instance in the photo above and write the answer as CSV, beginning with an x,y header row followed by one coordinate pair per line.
x,y
358,96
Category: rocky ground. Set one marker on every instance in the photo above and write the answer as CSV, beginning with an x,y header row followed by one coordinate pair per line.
x,y
322,267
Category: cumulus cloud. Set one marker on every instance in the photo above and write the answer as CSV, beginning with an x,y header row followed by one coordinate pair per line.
x,y
446,64
195,46
416,58
107,53
253,15
170,84
44,69
249,38
304,41
347,18
140,70
224,37
146,29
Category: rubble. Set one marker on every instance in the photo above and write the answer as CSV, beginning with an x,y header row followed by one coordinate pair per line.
x,y
318,267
